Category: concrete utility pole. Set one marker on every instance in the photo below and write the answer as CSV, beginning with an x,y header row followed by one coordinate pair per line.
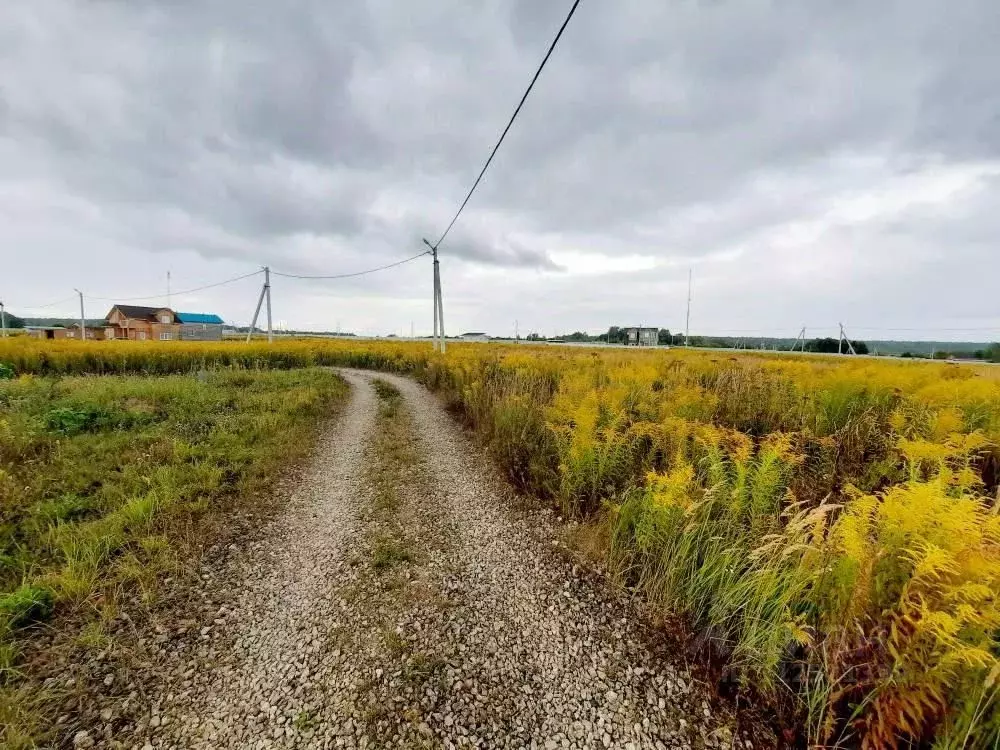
x,y
437,273
435,285
83,320
168,288
801,337
265,291
3,320
439,341
267,287
843,338
687,322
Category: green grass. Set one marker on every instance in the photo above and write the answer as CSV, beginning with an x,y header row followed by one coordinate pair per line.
x,y
392,445
389,552
108,484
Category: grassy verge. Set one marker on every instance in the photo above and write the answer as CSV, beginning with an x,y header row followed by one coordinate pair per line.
x,y
108,485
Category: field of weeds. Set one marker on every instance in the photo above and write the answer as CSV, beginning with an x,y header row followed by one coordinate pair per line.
x,y
108,486
827,528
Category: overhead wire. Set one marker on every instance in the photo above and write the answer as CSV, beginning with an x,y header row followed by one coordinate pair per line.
x,y
352,274
230,281
48,304
181,292
953,330
513,117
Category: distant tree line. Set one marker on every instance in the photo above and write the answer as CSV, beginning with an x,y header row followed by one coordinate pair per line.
x,y
990,354
826,345
830,345
616,335
12,321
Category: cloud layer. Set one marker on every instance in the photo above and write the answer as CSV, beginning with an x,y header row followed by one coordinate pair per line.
x,y
813,162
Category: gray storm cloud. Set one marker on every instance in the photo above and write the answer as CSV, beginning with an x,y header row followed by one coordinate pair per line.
x,y
852,144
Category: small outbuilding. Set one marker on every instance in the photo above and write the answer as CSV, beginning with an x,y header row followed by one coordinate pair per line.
x,y
92,333
475,336
641,336
199,326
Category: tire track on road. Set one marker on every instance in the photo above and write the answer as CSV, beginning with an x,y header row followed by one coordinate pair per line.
x,y
531,654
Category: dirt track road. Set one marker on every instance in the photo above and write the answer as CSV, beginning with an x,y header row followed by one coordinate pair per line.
x,y
401,601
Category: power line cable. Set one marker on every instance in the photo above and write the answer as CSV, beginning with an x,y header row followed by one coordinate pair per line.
x,y
513,117
172,293
886,328
353,274
48,304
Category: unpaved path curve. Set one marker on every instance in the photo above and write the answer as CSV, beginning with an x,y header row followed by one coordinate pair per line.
x,y
401,602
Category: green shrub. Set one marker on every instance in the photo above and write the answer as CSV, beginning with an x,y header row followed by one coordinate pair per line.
x,y
26,604
68,420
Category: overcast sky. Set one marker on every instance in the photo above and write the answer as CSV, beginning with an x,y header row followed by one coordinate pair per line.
x,y
813,162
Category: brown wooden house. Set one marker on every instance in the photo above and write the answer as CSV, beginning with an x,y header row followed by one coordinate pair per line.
x,y
138,323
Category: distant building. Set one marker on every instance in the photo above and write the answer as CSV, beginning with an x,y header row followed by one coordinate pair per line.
x,y
641,336
93,333
200,326
139,323
474,336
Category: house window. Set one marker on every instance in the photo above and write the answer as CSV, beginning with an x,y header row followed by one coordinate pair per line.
x,y
109,333
141,335
166,319
71,334
165,336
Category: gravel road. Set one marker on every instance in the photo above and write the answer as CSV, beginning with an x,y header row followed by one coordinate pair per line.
x,y
428,613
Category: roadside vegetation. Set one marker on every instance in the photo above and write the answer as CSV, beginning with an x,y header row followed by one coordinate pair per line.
x,y
828,529
108,486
